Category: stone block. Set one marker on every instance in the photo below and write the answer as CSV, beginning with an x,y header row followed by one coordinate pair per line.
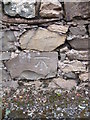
x,y
41,40
25,8
77,9
33,65
51,9
80,43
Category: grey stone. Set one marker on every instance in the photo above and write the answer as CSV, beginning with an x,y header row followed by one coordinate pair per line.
x,y
5,75
41,40
89,28
51,9
63,56
1,64
81,21
74,9
70,75
7,40
37,7
33,65
78,55
0,75
79,30
5,55
89,75
62,83
36,83
79,43
71,66
25,8
10,84
0,11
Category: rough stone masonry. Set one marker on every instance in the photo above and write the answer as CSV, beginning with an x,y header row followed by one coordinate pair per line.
x,y
44,39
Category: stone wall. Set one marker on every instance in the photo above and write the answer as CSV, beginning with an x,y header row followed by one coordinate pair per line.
x,y
44,39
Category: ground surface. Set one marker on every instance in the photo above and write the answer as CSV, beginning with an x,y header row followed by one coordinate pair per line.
x,y
37,100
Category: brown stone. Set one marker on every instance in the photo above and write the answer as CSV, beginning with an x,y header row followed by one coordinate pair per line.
x,y
7,20
33,65
84,77
74,9
51,9
58,28
41,40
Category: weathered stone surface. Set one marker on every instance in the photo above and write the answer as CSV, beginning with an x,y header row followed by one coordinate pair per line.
x,y
36,83
89,75
5,76
74,9
1,64
42,40
4,55
84,77
62,57
7,40
81,21
0,75
71,66
0,11
58,28
37,7
64,50
89,28
79,30
51,9
33,65
25,8
10,84
79,43
61,83
78,55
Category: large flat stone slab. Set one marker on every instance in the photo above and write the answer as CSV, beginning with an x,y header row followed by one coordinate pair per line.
x,y
41,40
77,9
33,65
